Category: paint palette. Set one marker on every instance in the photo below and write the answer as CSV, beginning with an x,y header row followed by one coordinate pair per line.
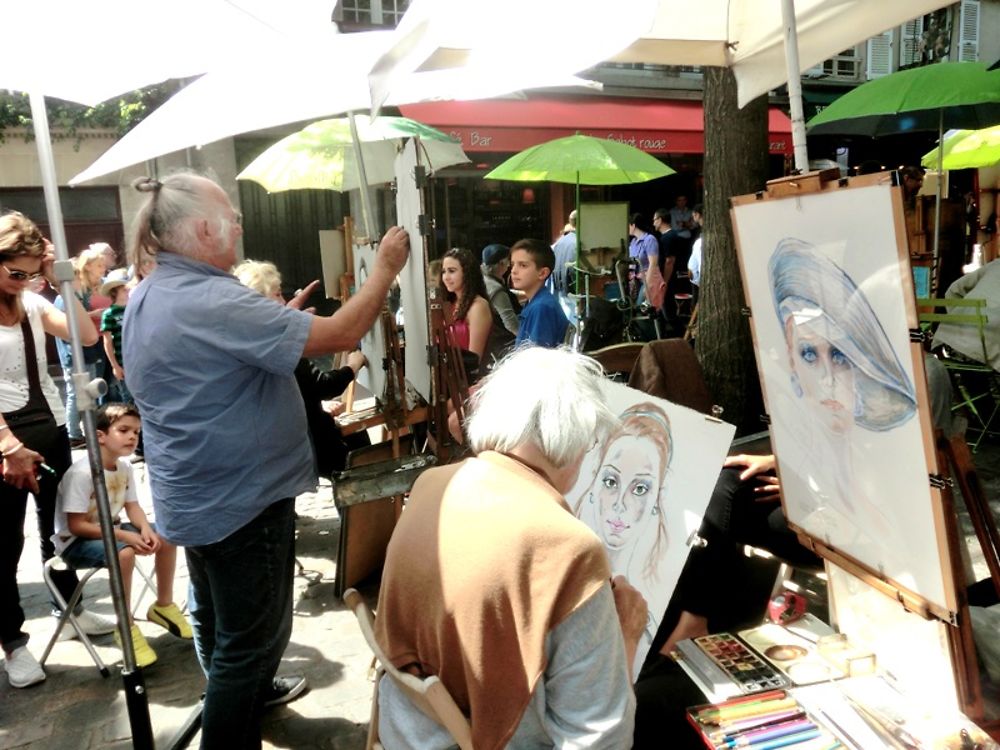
x,y
793,655
740,664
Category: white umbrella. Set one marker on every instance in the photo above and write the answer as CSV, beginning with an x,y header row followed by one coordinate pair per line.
x,y
765,42
276,89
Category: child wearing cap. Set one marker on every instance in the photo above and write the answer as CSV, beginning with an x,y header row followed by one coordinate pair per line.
x,y
111,331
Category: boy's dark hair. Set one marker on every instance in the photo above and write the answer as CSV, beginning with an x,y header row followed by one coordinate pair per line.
x,y
698,209
108,414
539,251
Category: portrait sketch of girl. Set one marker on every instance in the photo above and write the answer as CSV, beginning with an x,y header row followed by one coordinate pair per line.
x,y
828,282
643,490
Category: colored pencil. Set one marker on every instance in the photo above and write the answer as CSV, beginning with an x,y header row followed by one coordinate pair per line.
x,y
786,741
755,722
751,709
770,732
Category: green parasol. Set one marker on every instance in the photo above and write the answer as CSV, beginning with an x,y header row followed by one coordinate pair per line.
x,y
967,149
581,160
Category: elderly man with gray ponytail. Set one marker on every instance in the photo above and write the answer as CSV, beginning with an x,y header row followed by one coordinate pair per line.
x,y
210,364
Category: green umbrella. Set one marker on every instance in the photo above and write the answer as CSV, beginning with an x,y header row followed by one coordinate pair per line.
x,y
323,156
959,94
967,149
581,160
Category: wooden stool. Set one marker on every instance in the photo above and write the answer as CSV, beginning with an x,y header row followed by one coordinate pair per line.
x,y
683,302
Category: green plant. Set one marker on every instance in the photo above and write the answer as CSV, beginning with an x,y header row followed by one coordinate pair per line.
x,y
66,119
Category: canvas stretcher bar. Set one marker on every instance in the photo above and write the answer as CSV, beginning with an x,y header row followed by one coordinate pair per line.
x,y
825,270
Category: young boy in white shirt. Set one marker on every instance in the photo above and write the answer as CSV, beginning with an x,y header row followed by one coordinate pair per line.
x,y
78,531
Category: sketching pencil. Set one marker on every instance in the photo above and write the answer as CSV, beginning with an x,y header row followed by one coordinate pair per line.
x,y
770,732
786,741
752,709
743,701
729,728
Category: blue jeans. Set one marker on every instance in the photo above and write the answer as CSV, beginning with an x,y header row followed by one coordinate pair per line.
x,y
241,613
72,413
118,392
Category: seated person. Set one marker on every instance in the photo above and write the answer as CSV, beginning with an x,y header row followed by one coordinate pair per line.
x,y
78,530
983,283
316,385
543,322
512,605
504,306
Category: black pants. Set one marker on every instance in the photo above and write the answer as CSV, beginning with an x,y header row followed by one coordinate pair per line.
x,y
13,506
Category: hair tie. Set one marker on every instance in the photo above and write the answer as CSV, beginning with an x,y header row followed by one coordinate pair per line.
x,y
147,184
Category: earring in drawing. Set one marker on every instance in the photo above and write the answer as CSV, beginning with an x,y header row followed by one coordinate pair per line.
x,y
590,498
796,385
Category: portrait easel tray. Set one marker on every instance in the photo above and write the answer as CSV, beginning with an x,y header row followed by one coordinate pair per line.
x,y
826,274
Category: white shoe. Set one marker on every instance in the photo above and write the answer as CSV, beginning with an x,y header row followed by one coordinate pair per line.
x,y
23,669
94,624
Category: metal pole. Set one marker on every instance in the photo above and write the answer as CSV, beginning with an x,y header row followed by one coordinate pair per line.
x,y
937,202
86,393
366,208
795,86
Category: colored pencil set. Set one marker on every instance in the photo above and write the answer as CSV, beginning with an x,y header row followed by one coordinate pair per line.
x,y
764,721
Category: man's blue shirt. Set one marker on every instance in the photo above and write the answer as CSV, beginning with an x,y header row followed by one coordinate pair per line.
x,y
210,364
543,322
565,252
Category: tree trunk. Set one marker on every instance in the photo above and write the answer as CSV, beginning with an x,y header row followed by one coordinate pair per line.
x,y
736,154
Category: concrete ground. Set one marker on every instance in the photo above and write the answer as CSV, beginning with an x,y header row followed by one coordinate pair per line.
x,y
77,708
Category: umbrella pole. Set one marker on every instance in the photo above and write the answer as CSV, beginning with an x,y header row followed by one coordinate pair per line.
x,y
795,87
135,691
937,201
579,245
366,208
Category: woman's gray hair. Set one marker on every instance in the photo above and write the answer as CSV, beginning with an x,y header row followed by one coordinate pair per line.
x,y
165,222
550,398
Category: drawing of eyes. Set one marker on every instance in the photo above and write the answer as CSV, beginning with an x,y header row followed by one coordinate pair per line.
x,y
839,358
610,480
807,353
640,488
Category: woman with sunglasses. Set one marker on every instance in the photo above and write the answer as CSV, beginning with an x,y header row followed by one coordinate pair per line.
x,y
33,439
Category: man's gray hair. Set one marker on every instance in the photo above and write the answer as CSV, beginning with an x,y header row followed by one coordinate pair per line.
x,y
551,398
165,221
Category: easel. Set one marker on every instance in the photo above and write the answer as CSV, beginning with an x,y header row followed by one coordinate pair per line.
x,y
942,599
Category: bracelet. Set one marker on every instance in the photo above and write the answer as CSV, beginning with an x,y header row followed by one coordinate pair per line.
x,y
4,427
13,450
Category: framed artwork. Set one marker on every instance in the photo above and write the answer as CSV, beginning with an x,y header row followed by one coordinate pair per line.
x,y
644,489
413,277
371,377
828,282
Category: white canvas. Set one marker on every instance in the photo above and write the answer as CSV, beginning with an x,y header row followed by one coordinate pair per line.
x,y
642,511
841,383
413,277
371,377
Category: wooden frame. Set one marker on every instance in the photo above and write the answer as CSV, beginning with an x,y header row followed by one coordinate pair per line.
x,y
806,207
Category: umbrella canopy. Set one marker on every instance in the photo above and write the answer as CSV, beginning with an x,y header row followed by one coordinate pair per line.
x,y
322,155
746,35
967,149
957,94
581,159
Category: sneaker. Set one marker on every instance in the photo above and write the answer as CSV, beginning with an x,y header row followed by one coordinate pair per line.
x,y
22,668
76,443
94,624
90,623
171,618
144,654
285,690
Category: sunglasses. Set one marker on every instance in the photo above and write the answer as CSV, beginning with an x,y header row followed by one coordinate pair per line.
x,y
16,275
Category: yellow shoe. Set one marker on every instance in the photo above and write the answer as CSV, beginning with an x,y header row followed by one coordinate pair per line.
x,y
144,654
171,618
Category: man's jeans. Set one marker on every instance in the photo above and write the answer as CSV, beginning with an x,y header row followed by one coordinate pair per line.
x,y
241,613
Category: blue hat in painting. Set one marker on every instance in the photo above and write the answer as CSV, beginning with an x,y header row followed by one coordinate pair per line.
x,y
813,292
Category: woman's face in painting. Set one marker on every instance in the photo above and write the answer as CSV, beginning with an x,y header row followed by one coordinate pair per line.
x,y
627,488
451,275
825,375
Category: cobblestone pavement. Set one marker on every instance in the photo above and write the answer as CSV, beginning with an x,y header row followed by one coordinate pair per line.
x,y
77,708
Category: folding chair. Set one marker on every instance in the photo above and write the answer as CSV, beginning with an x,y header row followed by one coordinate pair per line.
x,y
976,382
428,694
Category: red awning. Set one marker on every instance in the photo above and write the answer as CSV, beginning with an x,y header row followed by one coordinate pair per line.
x,y
658,126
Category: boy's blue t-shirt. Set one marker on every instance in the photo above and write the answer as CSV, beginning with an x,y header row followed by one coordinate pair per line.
x,y
543,322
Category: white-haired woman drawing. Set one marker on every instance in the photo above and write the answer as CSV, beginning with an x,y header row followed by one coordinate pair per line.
x,y
493,586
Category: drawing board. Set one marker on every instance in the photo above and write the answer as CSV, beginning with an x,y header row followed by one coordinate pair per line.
x,y
602,225
413,277
371,377
645,488
828,282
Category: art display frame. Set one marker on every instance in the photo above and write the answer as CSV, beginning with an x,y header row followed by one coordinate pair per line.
x,y
827,279
661,446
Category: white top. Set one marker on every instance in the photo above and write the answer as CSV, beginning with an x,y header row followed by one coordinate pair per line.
x,y
76,495
13,374
694,262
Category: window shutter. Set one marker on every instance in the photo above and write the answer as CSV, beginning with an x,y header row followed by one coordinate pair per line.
x,y
910,33
968,31
879,55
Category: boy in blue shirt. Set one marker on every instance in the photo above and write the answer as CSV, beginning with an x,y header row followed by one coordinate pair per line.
x,y
543,323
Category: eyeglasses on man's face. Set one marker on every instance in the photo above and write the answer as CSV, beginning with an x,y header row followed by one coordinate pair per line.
x,y
18,275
